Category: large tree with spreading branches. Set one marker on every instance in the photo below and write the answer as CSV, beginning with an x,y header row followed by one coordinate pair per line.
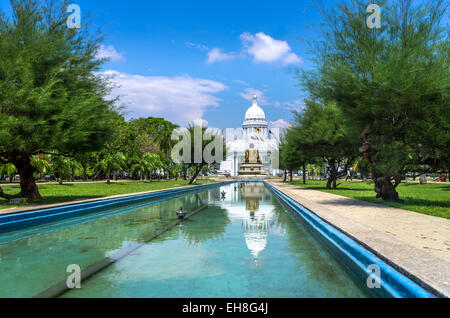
x,y
52,100
393,82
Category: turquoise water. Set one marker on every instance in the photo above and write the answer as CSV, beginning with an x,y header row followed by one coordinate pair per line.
x,y
247,245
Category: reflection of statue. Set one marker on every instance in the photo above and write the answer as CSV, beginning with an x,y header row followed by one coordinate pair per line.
x,y
252,206
253,193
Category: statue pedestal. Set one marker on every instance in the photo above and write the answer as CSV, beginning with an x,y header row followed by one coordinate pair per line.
x,y
251,169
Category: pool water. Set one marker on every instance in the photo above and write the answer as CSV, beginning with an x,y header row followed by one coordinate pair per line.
x,y
246,245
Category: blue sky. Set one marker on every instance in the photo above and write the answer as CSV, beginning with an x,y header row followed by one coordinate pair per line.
x,y
183,60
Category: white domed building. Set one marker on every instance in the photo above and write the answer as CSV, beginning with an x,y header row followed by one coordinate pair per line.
x,y
255,134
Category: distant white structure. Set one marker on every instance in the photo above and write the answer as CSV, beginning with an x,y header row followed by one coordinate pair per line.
x,y
254,135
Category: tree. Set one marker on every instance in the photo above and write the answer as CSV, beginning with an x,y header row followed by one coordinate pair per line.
x,y
9,170
392,82
292,158
52,99
322,131
150,163
63,166
200,140
86,160
42,164
111,162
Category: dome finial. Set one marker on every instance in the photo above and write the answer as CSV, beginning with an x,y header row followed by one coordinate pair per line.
x,y
255,100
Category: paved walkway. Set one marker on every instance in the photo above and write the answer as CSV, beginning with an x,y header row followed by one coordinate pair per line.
x,y
417,243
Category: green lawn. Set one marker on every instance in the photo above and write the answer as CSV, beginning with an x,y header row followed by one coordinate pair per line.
x,y
432,199
53,193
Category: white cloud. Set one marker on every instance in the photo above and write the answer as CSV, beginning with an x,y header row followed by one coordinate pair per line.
x,y
297,105
248,95
197,46
181,99
241,82
280,123
110,52
216,55
264,48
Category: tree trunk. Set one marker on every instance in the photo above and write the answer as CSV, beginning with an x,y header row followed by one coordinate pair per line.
x,y
197,171
84,173
329,181
28,188
304,174
285,176
292,176
385,189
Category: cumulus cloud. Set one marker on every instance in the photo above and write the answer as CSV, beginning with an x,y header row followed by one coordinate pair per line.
x,y
280,123
110,52
264,48
181,99
216,55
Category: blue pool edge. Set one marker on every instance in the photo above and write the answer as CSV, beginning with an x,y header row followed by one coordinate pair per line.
x,y
394,283
17,220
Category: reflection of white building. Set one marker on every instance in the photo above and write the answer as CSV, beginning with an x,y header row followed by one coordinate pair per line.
x,y
255,134
256,231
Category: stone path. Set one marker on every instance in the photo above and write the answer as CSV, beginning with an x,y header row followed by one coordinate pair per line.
x,y
417,243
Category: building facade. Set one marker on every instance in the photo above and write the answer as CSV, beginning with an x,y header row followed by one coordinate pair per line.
x,y
255,134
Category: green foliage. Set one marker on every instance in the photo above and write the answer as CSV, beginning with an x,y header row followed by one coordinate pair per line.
x,y
391,82
7,169
51,96
322,132
155,130
195,131
63,166
110,162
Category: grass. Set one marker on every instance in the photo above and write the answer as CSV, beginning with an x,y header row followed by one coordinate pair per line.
x,y
54,193
432,199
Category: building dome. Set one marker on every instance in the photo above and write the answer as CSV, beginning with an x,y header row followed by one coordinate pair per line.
x,y
255,116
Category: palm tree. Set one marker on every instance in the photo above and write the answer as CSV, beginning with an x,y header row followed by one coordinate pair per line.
x,y
164,138
150,163
65,166
8,169
111,162
42,164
